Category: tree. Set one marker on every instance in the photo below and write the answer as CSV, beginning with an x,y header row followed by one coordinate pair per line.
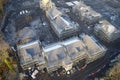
x,y
1,8
5,63
2,2
114,73
3,44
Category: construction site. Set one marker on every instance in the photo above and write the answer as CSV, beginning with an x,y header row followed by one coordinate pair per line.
x,y
57,39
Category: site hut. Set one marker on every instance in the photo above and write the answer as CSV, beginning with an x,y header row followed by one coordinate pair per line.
x,y
76,50
62,27
106,31
30,54
86,13
94,48
55,56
